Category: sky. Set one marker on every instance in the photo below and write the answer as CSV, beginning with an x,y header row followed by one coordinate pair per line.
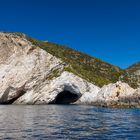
x,y
106,29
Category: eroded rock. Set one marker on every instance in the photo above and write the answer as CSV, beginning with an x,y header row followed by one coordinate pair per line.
x,y
117,95
67,84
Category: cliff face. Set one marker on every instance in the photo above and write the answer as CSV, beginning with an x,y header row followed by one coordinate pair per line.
x,y
23,65
30,75
35,72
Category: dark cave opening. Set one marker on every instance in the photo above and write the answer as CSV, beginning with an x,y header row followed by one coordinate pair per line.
x,y
18,93
65,97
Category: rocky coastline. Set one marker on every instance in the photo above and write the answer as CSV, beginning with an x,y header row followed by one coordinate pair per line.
x,y
30,75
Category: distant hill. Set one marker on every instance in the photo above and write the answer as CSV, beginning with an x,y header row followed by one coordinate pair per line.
x,y
134,71
134,68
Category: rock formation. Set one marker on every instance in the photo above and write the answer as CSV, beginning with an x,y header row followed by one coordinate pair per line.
x,y
117,95
67,86
31,75
39,75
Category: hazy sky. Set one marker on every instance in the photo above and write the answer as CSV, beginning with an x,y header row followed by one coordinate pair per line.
x,y
107,29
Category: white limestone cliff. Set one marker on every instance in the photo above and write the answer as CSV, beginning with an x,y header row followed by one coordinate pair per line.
x,y
21,63
25,71
67,85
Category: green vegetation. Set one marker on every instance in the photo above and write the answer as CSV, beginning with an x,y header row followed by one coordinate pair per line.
x,y
54,73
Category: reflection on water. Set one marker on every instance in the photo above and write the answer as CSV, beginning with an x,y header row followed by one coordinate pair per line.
x,y
68,122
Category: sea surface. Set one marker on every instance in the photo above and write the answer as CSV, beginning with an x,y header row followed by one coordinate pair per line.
x,y
68,122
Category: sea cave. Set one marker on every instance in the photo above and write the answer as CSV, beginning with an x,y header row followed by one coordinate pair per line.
x,y
65,97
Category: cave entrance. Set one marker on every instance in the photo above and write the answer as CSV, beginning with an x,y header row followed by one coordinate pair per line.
x,y
65,97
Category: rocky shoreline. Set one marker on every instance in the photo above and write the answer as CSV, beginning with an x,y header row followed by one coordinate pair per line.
x,y
30,75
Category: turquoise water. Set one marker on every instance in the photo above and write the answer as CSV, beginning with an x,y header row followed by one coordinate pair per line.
x,y
68,122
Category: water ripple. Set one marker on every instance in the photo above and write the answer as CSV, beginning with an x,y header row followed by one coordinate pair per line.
x,y
68,122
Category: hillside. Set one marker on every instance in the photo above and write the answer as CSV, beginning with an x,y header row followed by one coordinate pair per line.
x,y
90,68
87,67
